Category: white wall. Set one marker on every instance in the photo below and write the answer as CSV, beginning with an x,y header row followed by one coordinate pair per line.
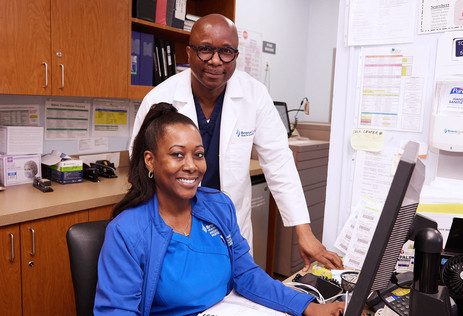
x,y
305,35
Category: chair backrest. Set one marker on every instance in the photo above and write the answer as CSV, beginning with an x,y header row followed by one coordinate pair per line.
x,y
84,244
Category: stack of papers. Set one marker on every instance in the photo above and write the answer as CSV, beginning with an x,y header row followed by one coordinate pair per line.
x,y
235,304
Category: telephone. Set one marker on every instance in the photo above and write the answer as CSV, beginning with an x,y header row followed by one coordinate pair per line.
x,y
399,288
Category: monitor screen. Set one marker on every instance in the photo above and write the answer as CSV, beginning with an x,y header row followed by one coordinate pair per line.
x,y
392,229
283,111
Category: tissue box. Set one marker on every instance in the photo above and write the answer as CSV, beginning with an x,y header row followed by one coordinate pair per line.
x,y
64,172
21,140
19,169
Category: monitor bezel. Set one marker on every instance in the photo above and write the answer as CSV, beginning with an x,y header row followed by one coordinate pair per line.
x,y
285,120
386,230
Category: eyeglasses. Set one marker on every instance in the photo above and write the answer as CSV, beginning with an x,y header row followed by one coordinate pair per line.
x,y
205,53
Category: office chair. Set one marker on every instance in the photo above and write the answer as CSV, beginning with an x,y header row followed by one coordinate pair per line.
x,y
84,244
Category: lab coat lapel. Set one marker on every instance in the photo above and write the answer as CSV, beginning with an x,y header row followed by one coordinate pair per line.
x,y
231,111
183,98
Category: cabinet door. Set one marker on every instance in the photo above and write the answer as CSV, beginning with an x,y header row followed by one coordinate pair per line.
x,y
10,271
100,213
90,45
25,47
46,276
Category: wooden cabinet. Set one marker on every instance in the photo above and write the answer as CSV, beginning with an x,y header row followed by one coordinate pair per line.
x,y
46,277
35,276
64,47
10,271
100,213
180,37
25,56
90,40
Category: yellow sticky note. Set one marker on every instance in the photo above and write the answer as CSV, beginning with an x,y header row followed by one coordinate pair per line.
x,y
367,140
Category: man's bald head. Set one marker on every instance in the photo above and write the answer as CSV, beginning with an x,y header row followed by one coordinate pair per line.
x,y
208,23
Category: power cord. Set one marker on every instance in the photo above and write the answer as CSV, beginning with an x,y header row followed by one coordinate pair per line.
x,y
306,106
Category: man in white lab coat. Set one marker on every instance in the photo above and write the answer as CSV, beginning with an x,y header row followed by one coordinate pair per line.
x,y
234,112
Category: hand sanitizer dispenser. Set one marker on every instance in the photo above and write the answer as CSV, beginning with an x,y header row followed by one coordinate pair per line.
x,y
447,117
446,132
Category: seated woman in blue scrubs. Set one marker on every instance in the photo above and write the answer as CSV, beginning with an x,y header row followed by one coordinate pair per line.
x,y
175,248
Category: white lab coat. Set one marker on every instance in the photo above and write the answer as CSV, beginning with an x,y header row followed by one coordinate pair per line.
x,y
248,117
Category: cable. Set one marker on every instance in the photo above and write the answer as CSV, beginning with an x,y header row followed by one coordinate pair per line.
x,y
267,76
320,299
298,110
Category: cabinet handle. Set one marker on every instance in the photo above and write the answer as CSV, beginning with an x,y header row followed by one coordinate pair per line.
x,y
46,74
33,241
12,247
62,76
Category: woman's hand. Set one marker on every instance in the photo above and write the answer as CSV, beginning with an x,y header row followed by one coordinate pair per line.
x,y
330,309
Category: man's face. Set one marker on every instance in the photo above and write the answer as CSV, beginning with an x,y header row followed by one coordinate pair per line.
x,y
213,74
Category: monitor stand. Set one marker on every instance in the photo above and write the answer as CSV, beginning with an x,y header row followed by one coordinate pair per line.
x,y
426,296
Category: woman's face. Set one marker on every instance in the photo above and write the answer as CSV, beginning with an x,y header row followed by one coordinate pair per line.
x,y
179,163
29,171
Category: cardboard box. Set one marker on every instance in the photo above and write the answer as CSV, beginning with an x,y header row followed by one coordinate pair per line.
x,y
64,172
21,140
19,169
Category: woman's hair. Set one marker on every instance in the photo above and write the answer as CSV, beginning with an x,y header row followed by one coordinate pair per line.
x,y
151,131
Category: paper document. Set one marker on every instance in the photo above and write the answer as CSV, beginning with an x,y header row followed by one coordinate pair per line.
x,y
20,115
66,120
235,304
440,16
373,22
391,94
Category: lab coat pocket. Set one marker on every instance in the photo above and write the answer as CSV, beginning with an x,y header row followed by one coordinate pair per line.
x,y
239,151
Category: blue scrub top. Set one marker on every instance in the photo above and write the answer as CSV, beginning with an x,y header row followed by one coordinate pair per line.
x,y
210,133
195,272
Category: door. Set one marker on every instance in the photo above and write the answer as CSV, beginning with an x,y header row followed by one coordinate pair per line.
x,y
25,47
90,45
10,271
46,275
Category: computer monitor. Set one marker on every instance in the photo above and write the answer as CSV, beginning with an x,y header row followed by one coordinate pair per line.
x,y
283,111
392,229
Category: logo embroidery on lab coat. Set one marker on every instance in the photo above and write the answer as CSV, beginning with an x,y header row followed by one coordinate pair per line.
x,y
239,133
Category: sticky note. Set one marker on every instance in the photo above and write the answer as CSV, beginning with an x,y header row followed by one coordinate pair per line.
x,y
367,140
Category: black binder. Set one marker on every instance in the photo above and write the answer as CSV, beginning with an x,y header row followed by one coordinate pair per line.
x,y
144,9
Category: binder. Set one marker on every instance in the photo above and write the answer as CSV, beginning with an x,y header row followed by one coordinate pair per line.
x,y
170,12
135,58
162,58
178,19
161,9
146,59
170,58
158,76
144,9
157,68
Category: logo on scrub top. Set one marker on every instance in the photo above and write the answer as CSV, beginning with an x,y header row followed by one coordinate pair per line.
x,y
239,133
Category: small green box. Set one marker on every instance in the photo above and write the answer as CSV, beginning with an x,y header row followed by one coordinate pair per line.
x,y
64,172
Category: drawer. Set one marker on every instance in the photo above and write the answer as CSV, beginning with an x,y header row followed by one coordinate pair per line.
x,y
313,175
315,193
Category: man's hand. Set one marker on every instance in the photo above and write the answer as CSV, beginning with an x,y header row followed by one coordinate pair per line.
x,y
311,248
